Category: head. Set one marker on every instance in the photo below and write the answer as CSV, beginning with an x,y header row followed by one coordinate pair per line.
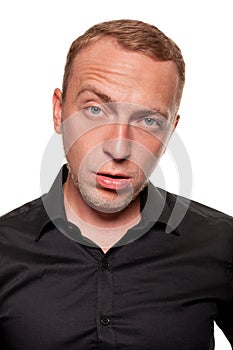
x,y
122,88
134,36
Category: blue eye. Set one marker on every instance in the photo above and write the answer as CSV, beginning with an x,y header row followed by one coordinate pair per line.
x,y
150,121
94,110
152,124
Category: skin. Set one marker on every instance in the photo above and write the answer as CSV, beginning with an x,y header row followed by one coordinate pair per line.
x,y
104,121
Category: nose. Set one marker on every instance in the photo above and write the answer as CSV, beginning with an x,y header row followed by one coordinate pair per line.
x,y
118,144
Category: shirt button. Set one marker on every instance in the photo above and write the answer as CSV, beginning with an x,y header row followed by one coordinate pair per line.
x,y
105,264
105,320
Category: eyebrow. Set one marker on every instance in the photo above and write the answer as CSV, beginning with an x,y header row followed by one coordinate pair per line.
x,y
105,98
91,89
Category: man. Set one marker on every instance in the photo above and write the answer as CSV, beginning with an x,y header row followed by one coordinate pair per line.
x,y
97,262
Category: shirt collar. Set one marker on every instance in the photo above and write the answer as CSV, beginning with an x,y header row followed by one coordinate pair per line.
x,y
155,208
52,204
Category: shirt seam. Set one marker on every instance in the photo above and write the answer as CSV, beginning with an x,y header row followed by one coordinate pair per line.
x,y
12,215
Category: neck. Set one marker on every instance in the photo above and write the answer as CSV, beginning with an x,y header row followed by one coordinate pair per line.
x,y
105,229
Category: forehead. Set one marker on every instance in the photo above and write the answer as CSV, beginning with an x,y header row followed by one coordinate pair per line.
x,y
126,74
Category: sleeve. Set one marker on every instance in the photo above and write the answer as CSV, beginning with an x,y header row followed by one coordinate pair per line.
x,y
225,321
225,312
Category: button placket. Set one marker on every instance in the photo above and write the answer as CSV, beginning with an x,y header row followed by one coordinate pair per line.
x,y
105,320
105,264
104,306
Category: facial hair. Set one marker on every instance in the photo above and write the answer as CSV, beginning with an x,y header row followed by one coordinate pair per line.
x,y
95,200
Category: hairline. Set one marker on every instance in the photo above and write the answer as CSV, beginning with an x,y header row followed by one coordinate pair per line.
x,y
99,37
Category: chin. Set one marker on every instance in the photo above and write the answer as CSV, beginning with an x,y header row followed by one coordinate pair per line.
x,y
102,203
114,203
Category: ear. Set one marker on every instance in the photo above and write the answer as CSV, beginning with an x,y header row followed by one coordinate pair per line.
x,y
176,121
57,110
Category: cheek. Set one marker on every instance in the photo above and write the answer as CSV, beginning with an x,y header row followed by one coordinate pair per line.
x,y
86,154
147,152
79,137
158,149
78,151
75,133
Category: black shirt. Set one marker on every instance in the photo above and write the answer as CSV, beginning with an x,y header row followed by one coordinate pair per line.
x,y
152,290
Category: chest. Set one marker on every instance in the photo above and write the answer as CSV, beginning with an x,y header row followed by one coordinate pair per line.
x,y
147,304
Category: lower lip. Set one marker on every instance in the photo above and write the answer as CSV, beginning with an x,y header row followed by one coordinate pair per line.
x,y
112,183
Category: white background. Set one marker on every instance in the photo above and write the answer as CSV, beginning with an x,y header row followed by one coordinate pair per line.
x,y
35,38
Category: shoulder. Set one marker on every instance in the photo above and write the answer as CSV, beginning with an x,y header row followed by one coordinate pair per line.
x,y
197,218
198,209
22,219
203,230
22,212
199,222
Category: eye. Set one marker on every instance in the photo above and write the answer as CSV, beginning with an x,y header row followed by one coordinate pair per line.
x,y
94,110
151,122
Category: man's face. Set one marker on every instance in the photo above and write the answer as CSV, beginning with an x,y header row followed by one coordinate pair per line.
x,y
118,113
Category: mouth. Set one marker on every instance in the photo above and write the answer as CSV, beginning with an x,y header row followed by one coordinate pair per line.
x,y
112,181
